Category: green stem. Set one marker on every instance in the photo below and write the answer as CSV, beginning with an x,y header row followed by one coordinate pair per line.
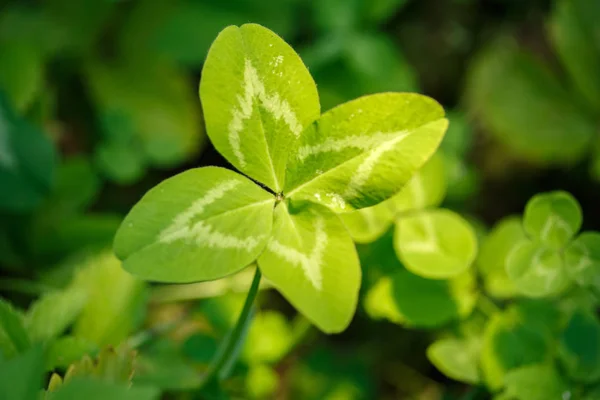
x,y
487,306
228,350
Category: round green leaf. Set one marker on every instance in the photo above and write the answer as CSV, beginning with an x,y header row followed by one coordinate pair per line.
x,y
579,348
511,339
579,54
408,299
525,106
536,382
202,224
582,259
435,244
552,218
269,338
312,261
494,251
536,271
456,358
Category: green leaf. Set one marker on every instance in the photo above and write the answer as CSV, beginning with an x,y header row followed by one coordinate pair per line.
x,y
66,350
536,382
363,152
552,218
144,106
491,260
302,260
52,313
21,72
202,224
14,338
269,338
94,389
523,104
456,358
510,340
427,187
368,224
27,161
536,271
579,348
114,300
582,259
579,54
435,244
408,299
262,381
21,377
257,97
120,162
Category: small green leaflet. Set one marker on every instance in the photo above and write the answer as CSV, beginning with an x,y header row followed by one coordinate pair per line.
x,y
552,218
312,261
262,114
200,225
408,299
582,259
456,358
435,244
493,253
535,382
573,40
536,271
512,339
524,105
257,97
579,348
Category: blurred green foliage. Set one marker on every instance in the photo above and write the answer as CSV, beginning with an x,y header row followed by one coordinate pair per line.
x,y
98,103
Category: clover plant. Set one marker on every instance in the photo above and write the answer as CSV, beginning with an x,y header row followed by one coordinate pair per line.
x,y
298,170
534,333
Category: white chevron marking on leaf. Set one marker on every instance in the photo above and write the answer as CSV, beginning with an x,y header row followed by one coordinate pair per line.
x,y
366,167
311,264
355,141
181,224
205,235
255,89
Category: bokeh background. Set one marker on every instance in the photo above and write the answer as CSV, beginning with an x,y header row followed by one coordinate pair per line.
x,y
99,103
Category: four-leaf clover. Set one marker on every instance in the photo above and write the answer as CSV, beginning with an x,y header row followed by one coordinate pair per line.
x,y
262,114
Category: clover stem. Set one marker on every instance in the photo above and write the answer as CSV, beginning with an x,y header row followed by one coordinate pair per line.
x,y
229,349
